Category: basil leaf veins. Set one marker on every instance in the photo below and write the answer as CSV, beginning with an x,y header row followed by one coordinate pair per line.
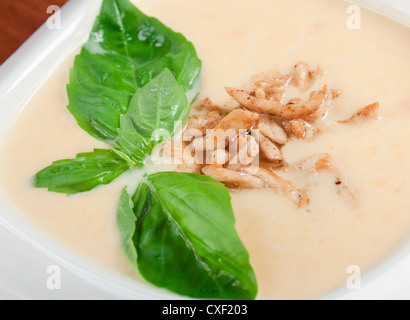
x,y
85,172
180,228
126,50
153,115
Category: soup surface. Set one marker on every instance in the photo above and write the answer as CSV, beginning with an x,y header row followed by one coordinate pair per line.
x,y
296,253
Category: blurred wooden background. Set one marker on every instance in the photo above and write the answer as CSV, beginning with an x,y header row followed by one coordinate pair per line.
x,y
19,19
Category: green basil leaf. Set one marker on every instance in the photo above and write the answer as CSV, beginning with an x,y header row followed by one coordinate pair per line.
x,y
127,219
126,224
85,172
186,240
152,116
126,50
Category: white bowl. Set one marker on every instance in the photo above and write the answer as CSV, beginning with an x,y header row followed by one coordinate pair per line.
x,y
27,253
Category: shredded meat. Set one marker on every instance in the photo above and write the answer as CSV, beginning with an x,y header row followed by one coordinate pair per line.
x,y
259,105
303,78
219,157
372,111
322,162
242,146
233,179
269,149
274,182
272,130
247,149
297,128
208,105
316,107
272,87
300,129
198,125
311,110
274,81
236,122
316,162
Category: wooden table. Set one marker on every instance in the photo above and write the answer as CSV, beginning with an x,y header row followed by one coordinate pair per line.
x,y
19,19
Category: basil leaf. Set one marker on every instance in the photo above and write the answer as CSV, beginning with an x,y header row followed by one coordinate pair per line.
x,y
186,240
127,219
154,109
126,224
85,172
126,50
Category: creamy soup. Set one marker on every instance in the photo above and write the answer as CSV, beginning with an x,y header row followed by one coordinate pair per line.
x,y
296,253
